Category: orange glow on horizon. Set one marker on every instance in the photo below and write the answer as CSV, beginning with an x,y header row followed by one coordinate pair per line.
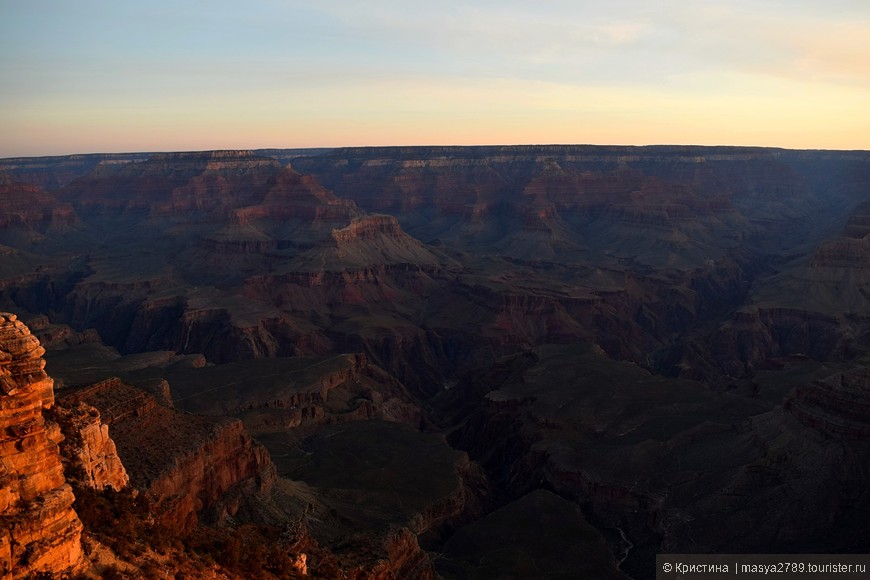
x,y
628,73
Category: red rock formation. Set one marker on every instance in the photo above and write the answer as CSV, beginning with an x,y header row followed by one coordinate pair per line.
x,y
404,559
39,531
368,228
185,463
228,179
88,452
291,195
28,206
169,183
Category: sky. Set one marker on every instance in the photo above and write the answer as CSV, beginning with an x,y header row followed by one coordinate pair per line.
x,y
81,76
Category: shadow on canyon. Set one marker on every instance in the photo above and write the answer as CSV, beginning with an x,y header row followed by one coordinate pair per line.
x,y
472,362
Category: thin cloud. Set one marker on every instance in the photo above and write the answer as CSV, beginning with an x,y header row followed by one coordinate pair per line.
x,y
777,72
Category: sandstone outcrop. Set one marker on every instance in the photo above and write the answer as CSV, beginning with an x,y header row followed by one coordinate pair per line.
x,y
184,463
368,228
39,531
88,452
372,241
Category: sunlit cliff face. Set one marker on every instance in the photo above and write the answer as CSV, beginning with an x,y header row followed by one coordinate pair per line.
x,y
34,495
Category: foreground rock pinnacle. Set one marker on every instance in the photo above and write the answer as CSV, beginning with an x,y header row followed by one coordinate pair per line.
x,y
39,531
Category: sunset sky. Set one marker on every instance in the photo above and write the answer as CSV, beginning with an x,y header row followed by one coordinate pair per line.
x,y
94,76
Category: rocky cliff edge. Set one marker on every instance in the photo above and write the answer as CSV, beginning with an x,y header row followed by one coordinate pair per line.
x,y
40,532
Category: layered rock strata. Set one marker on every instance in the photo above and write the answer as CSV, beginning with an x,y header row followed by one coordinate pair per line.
x,y
40,532
185,463
837,406
30,206
53,172
89,454
168,184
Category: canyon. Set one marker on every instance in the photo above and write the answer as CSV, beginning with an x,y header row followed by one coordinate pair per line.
x,y
399,353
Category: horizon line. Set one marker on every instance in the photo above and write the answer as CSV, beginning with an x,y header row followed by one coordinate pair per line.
x,y
433,146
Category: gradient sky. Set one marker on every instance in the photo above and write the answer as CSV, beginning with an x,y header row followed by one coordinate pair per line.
x,y
97,76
